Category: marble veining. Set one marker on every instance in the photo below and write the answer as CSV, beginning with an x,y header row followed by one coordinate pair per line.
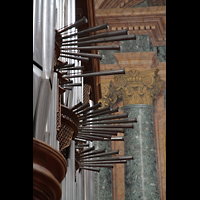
x,y
141,176
141,44
103,179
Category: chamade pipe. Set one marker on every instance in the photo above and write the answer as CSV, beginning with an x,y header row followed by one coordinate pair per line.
x,y
76,106
90,108
94,134
97,111
92,153
90,169
74,68
117,130
109,159
102,113
100,47
107,34
83,59
124,115
105,162
89,30
97,165
101,154
101,132
102,40
64,65
86,150
102,73
112,126
82,107
88,55
76,24
91,138
129,120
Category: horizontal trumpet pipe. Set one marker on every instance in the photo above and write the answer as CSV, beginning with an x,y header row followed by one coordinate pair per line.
x,y
82,107
102,35
82,145
90,169
79,140
92,153
61,64
64,66
101,155
76,106
102,40
88,55
129,120
95,134
101,113
90,108
101,47
74,84
83,59
97,165
110,158
124,115
118,130
101,132
113,126
90,138
86,150
74,68
89,30
106,162
76,24
118,138
102,73
96,111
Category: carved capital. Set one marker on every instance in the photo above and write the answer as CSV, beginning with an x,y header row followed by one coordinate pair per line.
x,y
134,87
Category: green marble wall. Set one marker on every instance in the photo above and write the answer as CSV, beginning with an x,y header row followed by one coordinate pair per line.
x,y
103,179
141,44
141,176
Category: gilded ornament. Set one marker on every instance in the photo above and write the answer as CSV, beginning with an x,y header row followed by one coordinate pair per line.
x,y
134,87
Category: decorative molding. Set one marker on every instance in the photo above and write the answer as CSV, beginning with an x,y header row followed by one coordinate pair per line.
x,y
156,2
106,4
135,87
140,21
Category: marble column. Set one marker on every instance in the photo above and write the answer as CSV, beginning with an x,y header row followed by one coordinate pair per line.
x,y
138,89
103,179
141,175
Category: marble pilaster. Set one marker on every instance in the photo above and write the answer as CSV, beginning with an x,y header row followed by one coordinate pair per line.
x,y
141,176
138,89
103,179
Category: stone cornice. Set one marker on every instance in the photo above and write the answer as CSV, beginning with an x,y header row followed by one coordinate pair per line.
x,y
140,21
134,87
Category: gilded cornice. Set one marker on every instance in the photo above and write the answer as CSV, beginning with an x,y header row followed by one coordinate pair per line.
x,y
134,87
140,21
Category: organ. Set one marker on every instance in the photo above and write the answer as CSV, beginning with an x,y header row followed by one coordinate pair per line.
x,y
65,124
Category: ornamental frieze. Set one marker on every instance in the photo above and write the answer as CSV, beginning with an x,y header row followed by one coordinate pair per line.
x,y
134,87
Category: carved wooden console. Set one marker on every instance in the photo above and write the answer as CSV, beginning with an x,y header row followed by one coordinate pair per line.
x,y
49,169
